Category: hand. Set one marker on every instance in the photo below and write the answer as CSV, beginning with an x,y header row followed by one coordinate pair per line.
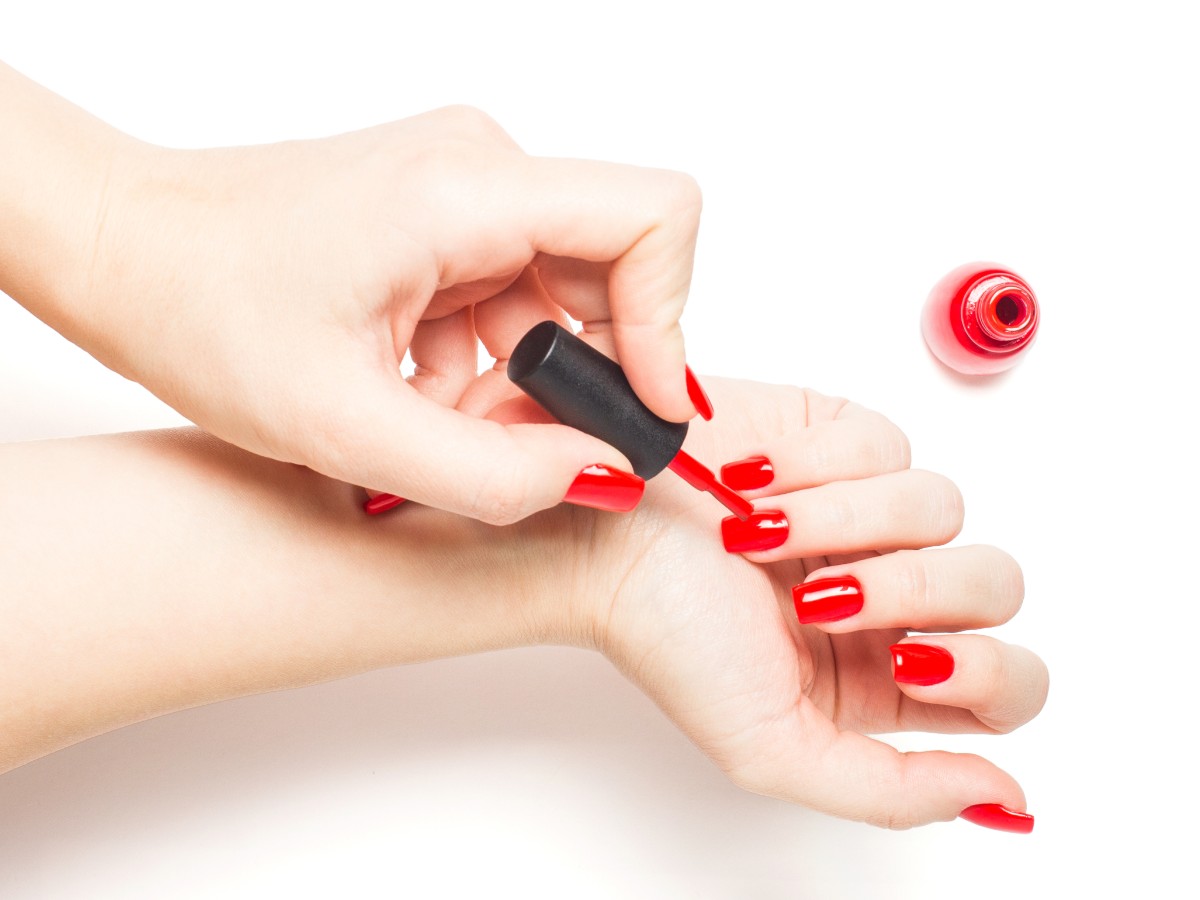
x,y
270,293
784,708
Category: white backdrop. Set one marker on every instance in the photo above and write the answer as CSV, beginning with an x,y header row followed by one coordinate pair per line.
x,y
850,154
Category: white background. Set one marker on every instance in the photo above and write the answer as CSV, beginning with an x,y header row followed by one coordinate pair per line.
x,y
850,154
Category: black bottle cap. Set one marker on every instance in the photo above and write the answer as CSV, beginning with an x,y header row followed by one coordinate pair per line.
x,y
583,388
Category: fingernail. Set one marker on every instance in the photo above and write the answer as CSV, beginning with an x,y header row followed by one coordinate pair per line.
x,y
921,664
697,396
600,487
1001,818
827,599
764,530
381,503
748,474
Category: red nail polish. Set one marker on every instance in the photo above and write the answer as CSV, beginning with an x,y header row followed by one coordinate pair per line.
x,y
381,503
600,487
764,530
980,318
1001,818
698,476
748,474
827,599
921,664
697,396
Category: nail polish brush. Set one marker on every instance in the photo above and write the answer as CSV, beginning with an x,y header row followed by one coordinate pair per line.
x,y
583,388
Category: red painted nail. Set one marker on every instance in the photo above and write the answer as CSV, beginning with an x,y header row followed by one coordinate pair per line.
x,y
827,599
921,664
748,474
381,503
1001,818
600,487
764,530
697,396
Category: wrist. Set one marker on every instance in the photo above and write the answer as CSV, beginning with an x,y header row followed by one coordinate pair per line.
x,y
490,587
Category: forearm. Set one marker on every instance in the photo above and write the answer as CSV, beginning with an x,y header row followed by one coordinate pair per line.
x,y
55,162
154,572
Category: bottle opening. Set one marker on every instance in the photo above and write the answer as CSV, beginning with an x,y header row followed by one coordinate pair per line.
x,y
1011,310
1004,310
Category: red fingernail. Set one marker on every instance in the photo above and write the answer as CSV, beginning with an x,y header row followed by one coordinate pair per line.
x,y
1001,818
764,530
921,664
827,599
600,487
697,396
748,474
381,503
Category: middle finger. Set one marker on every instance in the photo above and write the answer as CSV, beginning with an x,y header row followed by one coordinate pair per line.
x,y
896,511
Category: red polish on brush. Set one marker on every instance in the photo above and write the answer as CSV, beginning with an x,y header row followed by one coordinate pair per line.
x,y
583,388
702,479
980,319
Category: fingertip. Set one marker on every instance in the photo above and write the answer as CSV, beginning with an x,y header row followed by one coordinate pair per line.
x,y
653,361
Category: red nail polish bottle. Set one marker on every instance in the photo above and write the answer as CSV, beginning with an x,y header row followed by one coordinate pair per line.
x,y
980,318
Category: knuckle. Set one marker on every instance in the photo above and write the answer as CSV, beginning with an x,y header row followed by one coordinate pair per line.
x,y
893,820
753,775
993,663
881,446
842,516
895,450
914,583
503,498
947,510
682,198
1008,582
465,121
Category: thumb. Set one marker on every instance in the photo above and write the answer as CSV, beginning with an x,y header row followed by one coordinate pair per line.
x,y
856,777
496,473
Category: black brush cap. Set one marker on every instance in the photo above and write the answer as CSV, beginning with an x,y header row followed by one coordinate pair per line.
x,y
583,388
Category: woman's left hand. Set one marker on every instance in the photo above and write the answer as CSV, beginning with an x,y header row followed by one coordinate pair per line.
x,y
781,687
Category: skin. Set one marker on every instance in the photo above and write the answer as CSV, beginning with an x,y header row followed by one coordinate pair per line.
x,y
270,293
148,619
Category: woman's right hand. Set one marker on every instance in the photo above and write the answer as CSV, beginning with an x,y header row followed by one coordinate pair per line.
x,y
784,707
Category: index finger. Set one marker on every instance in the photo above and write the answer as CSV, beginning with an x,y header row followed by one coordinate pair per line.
x,y
645,222
642,221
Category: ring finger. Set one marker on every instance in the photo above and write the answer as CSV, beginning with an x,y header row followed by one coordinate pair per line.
x,y
951,589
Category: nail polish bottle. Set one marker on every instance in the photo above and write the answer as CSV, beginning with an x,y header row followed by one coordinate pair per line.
x,y
583,388
980,318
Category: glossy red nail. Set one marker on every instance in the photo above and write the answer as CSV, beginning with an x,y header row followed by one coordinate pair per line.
x,y
697,396
748,474
764,530
381,503
600,487
921,664
1001,818
827,599
980,319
